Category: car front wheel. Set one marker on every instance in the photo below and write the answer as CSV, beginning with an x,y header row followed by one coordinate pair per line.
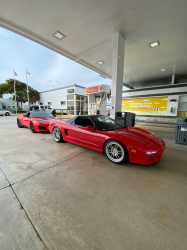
x,y
115,151
7,113
32,127
19,123
57,136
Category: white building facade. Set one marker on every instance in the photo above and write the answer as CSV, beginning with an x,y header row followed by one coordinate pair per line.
x,y
7,104
70,100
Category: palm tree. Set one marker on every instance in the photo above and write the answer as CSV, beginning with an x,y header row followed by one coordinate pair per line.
x,y
34,95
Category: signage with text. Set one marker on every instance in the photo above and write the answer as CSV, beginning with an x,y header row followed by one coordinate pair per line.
x,y
146,105
94,89
70,90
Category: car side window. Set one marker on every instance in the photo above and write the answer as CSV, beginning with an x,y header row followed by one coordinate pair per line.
x,y
83,122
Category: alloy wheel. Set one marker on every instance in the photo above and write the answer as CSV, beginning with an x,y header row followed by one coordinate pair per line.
x,y
115,152
57,134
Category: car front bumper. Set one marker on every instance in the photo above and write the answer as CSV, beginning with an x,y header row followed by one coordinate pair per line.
x,y
41,127
146,159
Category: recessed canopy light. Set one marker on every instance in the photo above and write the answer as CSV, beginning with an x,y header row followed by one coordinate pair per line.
x,y
163,69
154,44
100,62
58,35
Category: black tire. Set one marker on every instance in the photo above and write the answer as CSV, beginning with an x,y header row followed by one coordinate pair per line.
x,y
7,113
115,151
57,136
19,123
32,127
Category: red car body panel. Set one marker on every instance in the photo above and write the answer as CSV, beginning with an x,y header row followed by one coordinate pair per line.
x,y
38,126
136,140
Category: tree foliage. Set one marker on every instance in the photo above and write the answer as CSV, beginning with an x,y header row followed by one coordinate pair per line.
x,y
21,91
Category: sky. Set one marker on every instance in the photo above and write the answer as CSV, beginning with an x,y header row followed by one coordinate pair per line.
x,y
45,66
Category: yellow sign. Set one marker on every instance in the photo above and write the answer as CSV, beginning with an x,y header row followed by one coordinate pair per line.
x,y
146,106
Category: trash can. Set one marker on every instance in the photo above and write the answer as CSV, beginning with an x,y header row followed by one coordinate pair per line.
x,y
125,118
181,130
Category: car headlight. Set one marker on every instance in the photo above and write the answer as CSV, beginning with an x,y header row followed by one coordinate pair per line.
x,y
42,122
151,152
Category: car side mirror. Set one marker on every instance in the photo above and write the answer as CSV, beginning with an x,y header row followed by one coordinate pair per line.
x,y
90,128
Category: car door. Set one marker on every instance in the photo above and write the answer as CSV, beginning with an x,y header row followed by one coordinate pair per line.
x,y
26,120
80,135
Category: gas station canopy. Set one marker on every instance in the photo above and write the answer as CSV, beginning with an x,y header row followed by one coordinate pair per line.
x,y
83,30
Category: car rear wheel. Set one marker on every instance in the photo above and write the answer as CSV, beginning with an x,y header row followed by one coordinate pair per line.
x,y
57,136
32,127
19,123
7,113
115,151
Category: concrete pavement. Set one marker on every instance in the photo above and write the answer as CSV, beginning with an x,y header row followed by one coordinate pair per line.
x,y
61,196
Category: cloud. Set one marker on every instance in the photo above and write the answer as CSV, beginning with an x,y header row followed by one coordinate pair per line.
x,y
57,82
45,66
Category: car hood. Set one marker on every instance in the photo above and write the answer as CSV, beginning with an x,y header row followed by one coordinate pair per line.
x,y
140,135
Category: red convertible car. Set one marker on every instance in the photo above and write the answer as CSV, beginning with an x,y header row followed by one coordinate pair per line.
x,y
103,134
37,121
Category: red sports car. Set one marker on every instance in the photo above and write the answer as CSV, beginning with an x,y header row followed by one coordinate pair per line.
x,y
37,121
103,134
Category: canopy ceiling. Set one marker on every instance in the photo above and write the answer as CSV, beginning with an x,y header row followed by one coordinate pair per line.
x,y
89,26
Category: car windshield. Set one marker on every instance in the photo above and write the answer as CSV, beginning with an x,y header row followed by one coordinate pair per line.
x,y
41,114
105,123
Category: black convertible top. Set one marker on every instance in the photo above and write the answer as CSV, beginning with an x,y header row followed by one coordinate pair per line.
x,y
71,120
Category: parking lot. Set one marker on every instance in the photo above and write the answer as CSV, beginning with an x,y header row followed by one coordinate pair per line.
x,y
61,196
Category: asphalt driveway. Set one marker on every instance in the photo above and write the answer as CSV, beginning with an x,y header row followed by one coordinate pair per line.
x,y
61,196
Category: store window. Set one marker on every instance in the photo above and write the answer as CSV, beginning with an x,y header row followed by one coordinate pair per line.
x,y
70,97
70,104
41,103
62,103
49,103
81,105
4,107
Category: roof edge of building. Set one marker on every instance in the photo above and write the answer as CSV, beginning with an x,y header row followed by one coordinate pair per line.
x,y
65,87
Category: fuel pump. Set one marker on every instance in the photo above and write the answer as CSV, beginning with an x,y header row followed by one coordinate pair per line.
x,y
97,99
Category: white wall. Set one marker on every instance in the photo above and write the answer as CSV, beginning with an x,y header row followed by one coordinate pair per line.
x,y
154,92
183,98
7,103
57,95
79,91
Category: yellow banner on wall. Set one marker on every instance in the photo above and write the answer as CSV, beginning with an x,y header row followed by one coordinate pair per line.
x,y
146,106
